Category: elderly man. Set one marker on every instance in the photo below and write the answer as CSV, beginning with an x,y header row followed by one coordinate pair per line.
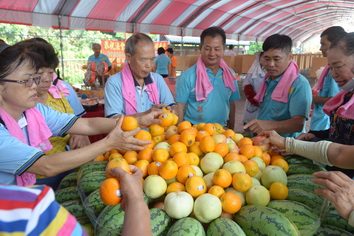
x,y
285,95
207,92
136,89
98,56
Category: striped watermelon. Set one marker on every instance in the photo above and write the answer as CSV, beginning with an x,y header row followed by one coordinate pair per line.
x,y
301,215
67,194
75,208
91,182
261,220
186,227
334,219
110,221
68,181
311,199
304,168
225,227
91,167
302,181
160,221
330,230
292,159
93,204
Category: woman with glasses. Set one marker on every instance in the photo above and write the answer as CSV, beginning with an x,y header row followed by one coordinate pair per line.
x,y
26,125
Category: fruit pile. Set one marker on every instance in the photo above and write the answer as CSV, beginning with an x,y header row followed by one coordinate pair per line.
x,y
201,180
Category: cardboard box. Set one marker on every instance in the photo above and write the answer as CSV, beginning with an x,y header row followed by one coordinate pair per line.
x,y
317,63
242,63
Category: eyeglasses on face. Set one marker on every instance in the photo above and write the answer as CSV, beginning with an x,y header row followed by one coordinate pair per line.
x,y
27,82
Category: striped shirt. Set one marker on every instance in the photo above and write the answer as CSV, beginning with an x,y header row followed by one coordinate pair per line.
x,y
34,211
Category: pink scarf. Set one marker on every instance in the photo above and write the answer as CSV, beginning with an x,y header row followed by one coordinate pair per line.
x,y
129,93
38,134
322,78
60,86
344,110
281,91
203,86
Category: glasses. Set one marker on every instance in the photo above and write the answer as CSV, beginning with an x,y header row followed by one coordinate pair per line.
x,y
27,82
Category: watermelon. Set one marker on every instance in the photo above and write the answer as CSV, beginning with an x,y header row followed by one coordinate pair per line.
x,y
333,218
261,220
75,208
330,230
292,159
91,182
160,222
301,215
67,194
302,181
304,168
225,227
186,226
110,221
93,204
91,167
68,181
311,199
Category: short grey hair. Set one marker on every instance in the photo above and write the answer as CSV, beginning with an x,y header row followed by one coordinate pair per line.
x,y
95,44
134,40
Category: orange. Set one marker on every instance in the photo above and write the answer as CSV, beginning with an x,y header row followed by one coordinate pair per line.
x,y
266,158
247,150
275,157
168,169
222,178
110,192
100,158
216,190
161,155
192,130
207,144
142,165
244,141
152,144
146,154
177,147
229,133
175,119
129,123
195,149
222,149
181,159
200,126
210,128
159,139
201,134
195,186
231,202
219,128
243,158
113,151
131,157
271,152
281,163
251,167
153,168
278,191
156,130
194,159
232,156
187,137
114,155
167,119
106,156
185,172
117,162
258,151
143,135
175,187
183,125
174,138
241,181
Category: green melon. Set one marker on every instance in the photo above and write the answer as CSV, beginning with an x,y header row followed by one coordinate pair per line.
x,y
90,183
304,168
311,199
333,218
75,208
93,204
110,221
68,181
225,227
160,222
91,167
67,194
330,230
186,227
302,181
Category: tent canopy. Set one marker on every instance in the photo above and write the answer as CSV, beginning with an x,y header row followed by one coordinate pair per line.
x,y
241,19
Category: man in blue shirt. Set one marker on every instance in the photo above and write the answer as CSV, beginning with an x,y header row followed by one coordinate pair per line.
x,y
98,56
285,95
207,92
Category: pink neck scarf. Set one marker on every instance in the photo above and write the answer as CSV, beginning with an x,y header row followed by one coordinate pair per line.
x,y
322,78
203,86
344,110
281,91
38,134
129,93
60,86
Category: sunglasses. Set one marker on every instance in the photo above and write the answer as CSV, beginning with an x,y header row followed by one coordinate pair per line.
x,y
27,82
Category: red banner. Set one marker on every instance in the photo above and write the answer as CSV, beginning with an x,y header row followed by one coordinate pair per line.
x,y
115,49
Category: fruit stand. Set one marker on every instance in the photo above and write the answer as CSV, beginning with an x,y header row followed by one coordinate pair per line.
x,y
205,180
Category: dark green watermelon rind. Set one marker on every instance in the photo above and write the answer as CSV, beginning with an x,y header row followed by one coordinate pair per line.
x,y
110,221
225,227
67,194
186,227
330,230
160,222
304,168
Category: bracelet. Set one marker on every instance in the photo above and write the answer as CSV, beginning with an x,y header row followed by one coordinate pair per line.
x,y
351,219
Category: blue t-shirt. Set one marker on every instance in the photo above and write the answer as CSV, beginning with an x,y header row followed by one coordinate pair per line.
x,y
74,101
214,109
319,119
299,102
17,157
101,57
114,103
162,62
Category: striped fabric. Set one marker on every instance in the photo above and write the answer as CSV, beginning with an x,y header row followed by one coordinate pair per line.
x,y
34,211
